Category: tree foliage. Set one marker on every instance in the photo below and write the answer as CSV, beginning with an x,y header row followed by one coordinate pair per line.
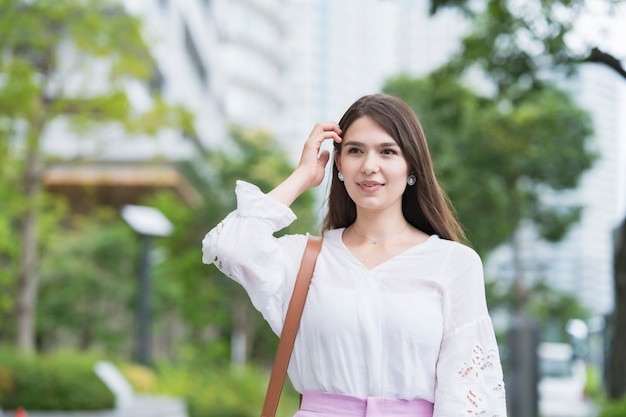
x,y
553,308
9,253
88,284
520,46
89,264
495,161
64,60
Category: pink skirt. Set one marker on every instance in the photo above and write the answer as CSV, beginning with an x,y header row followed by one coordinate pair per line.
x,y
323,404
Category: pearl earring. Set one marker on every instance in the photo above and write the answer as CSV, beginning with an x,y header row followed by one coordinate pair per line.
x,y
340,176
411,180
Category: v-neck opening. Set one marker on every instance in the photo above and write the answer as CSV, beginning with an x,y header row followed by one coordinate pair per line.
x,y
386,261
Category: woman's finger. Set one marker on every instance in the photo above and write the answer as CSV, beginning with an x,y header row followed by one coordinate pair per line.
x,y
323,158
327,130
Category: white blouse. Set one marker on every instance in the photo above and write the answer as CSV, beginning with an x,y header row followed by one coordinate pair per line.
x,y
413,327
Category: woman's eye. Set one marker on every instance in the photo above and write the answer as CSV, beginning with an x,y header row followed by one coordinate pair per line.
x,y
389,152
354,150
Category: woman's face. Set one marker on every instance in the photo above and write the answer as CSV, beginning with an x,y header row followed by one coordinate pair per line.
x,y
375,171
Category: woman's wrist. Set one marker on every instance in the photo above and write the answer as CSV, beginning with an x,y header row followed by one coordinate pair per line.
x,y
291,188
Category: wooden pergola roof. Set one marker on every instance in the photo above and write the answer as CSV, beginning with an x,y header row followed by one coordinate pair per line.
x,y
116,184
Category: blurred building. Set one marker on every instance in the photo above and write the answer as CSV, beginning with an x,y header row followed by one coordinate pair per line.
x,y
265,64
338,51
334,56
217,58
583,262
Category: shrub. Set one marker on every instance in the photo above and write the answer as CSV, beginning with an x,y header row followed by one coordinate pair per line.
x,y
614,408
223,392
59,381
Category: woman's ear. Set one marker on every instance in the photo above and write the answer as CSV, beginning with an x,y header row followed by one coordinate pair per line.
x,y
338,160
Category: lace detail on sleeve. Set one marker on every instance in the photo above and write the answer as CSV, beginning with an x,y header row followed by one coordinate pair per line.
x,y
210,246
482,380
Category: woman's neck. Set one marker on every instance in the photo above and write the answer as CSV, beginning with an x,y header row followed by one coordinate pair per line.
x,y
378,228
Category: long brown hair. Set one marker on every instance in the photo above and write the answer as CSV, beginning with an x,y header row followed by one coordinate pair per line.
x,y
424,205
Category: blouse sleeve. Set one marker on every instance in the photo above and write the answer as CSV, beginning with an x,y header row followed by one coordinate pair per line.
x,y
469,373
244,248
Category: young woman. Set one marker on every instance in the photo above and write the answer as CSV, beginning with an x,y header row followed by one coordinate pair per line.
x,y
396,321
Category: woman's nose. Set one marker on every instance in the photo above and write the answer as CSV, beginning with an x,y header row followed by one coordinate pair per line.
x,y
370,164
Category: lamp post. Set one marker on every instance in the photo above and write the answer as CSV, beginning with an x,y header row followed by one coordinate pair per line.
x,y
147,222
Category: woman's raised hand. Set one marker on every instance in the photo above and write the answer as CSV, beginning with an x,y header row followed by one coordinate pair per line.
x,y
311,168
312,162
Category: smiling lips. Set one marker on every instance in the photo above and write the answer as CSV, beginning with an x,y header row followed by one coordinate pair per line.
x,y
370,186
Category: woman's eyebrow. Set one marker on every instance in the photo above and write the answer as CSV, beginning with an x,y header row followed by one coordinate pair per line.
x,y
388,145
378,145
353,143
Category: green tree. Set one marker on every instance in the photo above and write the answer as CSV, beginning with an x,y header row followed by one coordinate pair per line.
x,y
204,297
52,211
9,252
51,56
495,161
547,305
87,284
517,47
555,309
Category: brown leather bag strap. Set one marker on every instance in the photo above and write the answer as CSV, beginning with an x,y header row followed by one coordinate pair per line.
x,y
290,328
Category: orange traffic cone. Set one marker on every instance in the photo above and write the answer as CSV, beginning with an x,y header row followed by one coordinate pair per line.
x,y
20,412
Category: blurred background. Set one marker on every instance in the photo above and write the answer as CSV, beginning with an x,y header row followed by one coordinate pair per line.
x,y
124,125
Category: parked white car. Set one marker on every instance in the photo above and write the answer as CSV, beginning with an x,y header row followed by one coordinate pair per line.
x,y
562,382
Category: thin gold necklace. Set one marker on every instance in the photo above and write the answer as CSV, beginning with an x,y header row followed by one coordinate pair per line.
x,y
377,241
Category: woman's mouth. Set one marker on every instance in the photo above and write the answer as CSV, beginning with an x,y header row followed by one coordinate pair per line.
x,y
370,186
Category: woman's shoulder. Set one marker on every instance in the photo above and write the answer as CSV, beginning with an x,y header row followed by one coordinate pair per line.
x,y
453,250
332,235
332,239
458,260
